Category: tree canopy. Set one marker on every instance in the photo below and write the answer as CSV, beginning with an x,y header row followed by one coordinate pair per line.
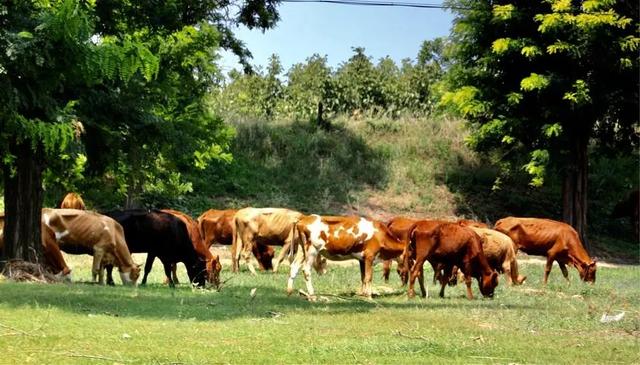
x,y
541,81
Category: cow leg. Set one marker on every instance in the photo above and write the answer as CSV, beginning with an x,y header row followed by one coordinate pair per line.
x,y
547,268
147,268
96,269
283,253
423,289
306,270
174,274
293,270
467,281
564,270
109,270
413,274
443,278
368,276
386,270
167,273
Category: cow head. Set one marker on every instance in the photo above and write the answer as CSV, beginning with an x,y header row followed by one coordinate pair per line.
x,y
264,254
197,272
130,277
587,271
488,283
320,265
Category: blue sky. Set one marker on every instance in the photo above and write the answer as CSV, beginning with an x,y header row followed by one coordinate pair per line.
x,y
332,30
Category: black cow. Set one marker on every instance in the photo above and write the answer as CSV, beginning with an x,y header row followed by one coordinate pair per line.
x,y
160,235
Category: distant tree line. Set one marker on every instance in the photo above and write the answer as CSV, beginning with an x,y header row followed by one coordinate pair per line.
x,y
358,85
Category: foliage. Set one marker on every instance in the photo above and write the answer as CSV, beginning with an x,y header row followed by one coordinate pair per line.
x,y
533,77
358,86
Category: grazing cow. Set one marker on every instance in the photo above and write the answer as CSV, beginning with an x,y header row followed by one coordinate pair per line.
x,y
630,207
52,255
72,201
500,253
212,262
216,226
164,236
342,238
266,226
450,244
557,241
79,232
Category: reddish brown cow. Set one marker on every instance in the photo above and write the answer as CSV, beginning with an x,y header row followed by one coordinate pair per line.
x,y
557,241
216,226
72,201
451,245
342,238
52,254
212,262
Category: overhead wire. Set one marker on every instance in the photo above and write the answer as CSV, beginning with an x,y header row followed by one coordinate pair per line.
x,y
382,3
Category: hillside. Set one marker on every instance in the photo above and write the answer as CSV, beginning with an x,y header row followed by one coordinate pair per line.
x,y
382,168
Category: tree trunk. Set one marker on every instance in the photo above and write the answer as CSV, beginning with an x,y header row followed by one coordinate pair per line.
x,y
23,198
574,189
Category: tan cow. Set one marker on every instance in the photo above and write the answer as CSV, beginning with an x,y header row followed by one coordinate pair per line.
x,y
79,231
52,255
72,201
266,226
499,250
342,238
557,241
216,226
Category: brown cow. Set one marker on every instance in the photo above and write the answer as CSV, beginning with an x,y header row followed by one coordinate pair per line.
x,y
72,201
216,226
499,250
212,262
81,231
52,255
557,241
342,238
451,245
253,226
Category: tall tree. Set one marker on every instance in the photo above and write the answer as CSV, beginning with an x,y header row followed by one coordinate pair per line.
x,y
131,71
541,81
48,57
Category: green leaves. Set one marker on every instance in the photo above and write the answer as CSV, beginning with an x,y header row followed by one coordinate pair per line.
x,y
534,82
579,95
503,12
536,167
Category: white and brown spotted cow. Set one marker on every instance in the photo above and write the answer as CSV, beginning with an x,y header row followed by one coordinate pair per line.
x,y
342,238
84,232
265,226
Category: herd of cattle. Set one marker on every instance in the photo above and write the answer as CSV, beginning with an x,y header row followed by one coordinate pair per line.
x,y
464,246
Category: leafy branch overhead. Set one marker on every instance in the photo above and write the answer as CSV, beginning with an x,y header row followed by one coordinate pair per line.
x,y
548,71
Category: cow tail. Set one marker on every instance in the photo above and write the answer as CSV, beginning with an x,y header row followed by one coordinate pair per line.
x,y
296,239
235,242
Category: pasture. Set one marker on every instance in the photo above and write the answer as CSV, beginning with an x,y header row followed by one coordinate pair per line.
x,y
88,324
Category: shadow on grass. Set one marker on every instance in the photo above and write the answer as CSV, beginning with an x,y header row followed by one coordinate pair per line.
x,y
295,166
203,305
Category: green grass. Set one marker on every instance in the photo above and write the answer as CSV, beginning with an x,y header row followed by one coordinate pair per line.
x,y
67,323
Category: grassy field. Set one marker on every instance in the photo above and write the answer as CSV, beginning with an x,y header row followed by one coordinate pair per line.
x,y
88,324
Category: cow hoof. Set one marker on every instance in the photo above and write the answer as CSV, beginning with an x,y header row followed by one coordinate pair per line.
x,y
411,294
